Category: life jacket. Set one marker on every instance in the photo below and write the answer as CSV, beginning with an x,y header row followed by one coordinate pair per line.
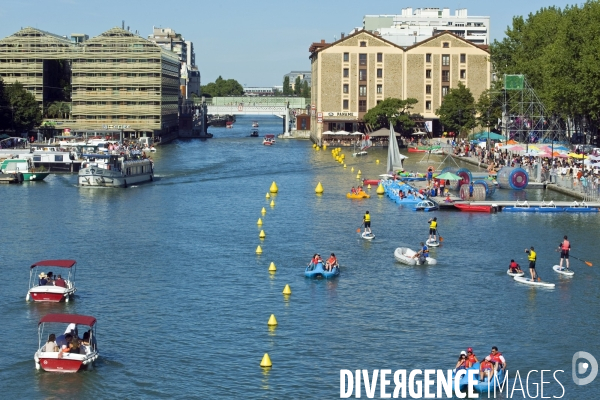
x,y
513,265
353,191
425,251
433,224
532,255
486,365
471,359
367,217
495,358
565,245
332,260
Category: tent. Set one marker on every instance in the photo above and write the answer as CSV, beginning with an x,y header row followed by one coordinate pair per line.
x,y
491,135
382,133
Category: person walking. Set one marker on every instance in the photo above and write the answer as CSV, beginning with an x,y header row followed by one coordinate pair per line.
x,y
532,259
564,248
367,222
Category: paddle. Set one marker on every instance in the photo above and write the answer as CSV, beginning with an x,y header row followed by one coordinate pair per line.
x,y
358,229
439,236
589,264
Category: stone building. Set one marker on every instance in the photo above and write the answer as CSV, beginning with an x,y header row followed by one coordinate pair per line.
x,y
355,73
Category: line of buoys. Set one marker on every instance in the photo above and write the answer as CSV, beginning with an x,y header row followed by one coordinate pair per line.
x,y
287,290
319,188
274,188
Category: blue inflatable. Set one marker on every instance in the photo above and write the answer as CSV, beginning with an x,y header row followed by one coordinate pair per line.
x,y
481,386
317,271
490,188
512,178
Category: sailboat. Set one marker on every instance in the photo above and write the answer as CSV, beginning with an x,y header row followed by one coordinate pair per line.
x,y
365,143
394,160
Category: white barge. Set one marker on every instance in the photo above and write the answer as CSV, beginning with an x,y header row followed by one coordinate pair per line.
x,y
115,170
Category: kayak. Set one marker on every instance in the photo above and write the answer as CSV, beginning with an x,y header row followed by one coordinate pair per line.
x,y
563,270
432,243
367,236
317,271
528,281
473,208
514,273
361,195
426,205
405,256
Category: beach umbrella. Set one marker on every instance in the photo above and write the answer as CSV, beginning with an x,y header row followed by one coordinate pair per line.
x,y
448,176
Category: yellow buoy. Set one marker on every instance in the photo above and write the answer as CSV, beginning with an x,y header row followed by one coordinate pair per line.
x,y
317,148
352,169
369,186
319,188
324,147
268,196
344,165
380,189
272,203
287,290
262,234
272,267
272,320
314,145
258,250
343,156
274,188
359,172
259,222
358,176
263,211
376,161
266,361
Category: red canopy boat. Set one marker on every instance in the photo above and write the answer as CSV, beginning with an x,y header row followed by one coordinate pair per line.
x,y
473,207
52,290
51,357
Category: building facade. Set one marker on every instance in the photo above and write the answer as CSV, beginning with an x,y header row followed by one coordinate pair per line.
x,y
354,74
411,27
117,81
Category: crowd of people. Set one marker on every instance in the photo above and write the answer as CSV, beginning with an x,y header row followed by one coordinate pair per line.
x,y
50,279
489,366
69,342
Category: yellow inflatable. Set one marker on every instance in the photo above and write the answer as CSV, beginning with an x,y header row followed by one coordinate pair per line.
x,y
361,195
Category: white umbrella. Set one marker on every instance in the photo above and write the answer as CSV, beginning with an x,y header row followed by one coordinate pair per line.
x,y
356,133
328,133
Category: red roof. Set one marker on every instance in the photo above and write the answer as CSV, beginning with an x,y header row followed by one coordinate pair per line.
x,y
55,263
69,318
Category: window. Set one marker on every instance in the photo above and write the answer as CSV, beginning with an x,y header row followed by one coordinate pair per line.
x,y
463,58
445,45
345,88
427,89
379,72
445,90
362,90
428,105
379,101
362,59
362,75
463,74
346,72
363,44
445,60
379,89
428,57
58,158
362,106
379,57
345,104
428,74
346,57
445,76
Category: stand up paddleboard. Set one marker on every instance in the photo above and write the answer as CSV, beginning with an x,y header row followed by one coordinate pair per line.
x,y
514,273
432,243
563,270
367,236
528,281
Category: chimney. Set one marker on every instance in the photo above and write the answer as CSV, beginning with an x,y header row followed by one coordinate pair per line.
x,y
323,41
342,35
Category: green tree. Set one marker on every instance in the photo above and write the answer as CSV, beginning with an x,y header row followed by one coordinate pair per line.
x,y
26,112
286,86
305,90
392,111
221,87
297,86
5,112
489,108
457,111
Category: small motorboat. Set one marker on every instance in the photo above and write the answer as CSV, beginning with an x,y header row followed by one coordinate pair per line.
x,y
426,205
367,235
357,196
42,289
56,361
254,133
229,124
473,207
269,140
406,256
255,124
317,271
514,273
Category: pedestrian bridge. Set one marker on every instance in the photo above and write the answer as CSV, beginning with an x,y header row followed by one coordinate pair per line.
x,y
254,105
247,109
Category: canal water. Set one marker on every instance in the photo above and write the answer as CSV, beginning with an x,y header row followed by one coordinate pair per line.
x,y
169,270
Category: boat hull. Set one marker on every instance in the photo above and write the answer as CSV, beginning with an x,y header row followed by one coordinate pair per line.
x,y
473,208
317,271
50,294
358,196
108,178
35,176
70,363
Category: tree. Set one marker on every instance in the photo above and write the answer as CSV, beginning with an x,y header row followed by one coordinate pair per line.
x,y
489,108
5,112
391,111
286,86
221,87
298,86
457,111
305,90
25,109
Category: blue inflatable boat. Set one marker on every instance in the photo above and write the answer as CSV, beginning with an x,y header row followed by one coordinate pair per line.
x,y
481,386
317,271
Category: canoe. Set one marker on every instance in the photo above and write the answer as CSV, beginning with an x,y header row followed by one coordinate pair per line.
x,y
426,205
528,281
514,274
404,255
367,236
473,208
563,270
361,195
317,271
431,243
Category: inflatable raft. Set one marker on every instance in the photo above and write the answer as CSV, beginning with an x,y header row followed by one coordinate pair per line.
x,y
480,386
405,256
361,195
317,271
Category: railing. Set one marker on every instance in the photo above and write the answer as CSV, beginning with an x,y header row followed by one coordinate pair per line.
x,y
294,102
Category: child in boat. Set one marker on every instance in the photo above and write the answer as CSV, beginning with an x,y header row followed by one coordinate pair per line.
x,y
462,361
514,267
331,262
314,260
353,191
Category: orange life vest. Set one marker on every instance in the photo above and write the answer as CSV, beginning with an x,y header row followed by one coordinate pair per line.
x,y
496,357
471,359
565,245
332,260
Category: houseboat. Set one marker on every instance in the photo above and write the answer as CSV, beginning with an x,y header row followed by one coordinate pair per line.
x,y
115,170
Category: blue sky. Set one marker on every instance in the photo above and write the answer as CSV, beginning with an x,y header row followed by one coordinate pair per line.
x,y
255,42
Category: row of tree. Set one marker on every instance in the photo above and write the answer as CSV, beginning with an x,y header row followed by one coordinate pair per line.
x,y
300,89
19,111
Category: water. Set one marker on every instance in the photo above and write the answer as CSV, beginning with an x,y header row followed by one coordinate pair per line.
x,y
169,270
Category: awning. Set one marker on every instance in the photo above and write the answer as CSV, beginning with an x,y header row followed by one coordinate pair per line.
x,y
55,263
69,319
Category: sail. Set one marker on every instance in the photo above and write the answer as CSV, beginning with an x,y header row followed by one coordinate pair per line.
x,y
394,161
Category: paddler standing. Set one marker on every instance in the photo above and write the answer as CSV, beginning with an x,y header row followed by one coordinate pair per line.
x,y
433,229
367,222
564,248
532,258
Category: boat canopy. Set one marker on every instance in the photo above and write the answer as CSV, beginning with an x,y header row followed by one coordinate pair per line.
x,y
269,136
55,263
69,319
